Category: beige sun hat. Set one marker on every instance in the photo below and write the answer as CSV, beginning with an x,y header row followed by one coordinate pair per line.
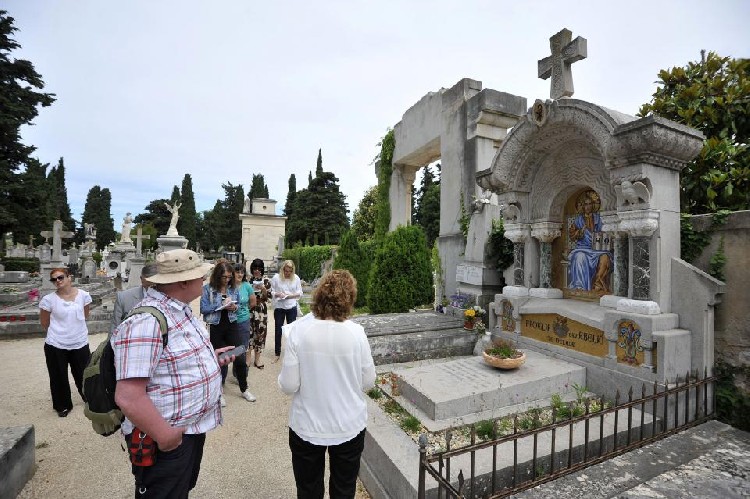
x,y
179,265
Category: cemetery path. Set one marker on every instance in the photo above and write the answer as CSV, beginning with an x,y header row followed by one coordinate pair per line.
x,y
246,457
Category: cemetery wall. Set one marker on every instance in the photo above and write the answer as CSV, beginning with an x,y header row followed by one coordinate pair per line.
x,y
732,335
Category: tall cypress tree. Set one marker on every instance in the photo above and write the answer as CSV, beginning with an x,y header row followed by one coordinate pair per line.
x,y
31,202
258,188
187,221
19,106
291,195
175,195
97,211
61,207
319,168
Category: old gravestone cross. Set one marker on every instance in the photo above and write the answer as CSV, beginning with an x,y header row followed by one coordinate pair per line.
x,y
557,65
138,241
57,235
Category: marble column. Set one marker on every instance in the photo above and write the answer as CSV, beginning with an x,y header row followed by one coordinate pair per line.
x,y
545,232
519,234
621,264
640,226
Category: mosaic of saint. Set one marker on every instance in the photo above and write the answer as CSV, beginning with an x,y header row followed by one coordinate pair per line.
x,y
590,256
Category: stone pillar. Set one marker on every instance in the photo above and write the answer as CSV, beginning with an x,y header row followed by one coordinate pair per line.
x,y
619,247
519,234
545,232
640,226
402,180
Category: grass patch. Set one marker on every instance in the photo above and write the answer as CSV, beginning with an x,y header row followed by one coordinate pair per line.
x,y
410,424
374,393
485,429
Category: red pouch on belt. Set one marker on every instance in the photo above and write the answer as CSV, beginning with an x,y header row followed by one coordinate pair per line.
x,y
142,449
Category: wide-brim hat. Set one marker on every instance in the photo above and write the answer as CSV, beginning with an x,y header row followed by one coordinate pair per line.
x,y
179,265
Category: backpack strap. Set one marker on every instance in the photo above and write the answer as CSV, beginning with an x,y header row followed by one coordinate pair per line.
x,y
158,315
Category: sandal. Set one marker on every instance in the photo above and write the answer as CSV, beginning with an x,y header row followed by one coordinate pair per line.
x,y
260,366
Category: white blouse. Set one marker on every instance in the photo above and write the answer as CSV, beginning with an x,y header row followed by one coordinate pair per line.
x,y
67,323
291,286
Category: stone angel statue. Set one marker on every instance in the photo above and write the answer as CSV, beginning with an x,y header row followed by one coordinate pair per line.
x,y
175,211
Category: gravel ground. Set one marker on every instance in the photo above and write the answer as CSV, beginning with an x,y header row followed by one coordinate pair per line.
x,y
246,457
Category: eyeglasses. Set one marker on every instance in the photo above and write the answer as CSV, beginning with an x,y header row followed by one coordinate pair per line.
x,y
58,278
227,276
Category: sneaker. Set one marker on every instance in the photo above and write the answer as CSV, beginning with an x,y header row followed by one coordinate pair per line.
x,y
248,396
222,401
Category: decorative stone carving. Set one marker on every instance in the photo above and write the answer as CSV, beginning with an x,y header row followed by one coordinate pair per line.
x,y
546,232
632,194
511,214
518,233
642,223
564,53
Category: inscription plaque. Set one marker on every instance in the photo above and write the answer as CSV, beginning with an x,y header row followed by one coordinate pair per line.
x,y
563,332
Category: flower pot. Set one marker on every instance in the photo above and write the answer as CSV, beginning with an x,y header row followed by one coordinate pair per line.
x,y
468,325
504,363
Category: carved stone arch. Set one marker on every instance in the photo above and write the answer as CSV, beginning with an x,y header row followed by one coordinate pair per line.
x,y
529,145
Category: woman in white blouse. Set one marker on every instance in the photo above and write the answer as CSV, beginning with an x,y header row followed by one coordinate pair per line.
x,y
63,315
286,290
332,355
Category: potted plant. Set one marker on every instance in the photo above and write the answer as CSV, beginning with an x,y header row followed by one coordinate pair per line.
x,y
503,355
471,315
480,327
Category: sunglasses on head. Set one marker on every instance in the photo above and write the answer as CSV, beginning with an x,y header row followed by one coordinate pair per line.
x,y
58,278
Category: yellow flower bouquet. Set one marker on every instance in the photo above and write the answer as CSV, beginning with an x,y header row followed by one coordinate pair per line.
x,y
470,313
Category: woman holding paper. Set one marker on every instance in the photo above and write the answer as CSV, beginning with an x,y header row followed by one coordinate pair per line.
x,y
219,308
286,290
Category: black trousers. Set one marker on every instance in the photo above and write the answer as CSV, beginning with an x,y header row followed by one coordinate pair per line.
x,y
58,360
174,474
309,460
279,316
227,333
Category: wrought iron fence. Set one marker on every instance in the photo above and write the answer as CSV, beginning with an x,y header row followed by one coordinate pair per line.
x,y
587,439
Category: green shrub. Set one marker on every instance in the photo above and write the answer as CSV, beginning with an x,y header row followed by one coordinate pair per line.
x,y
16,264
401,276
485,429
357,259
307,260
411,424
374,393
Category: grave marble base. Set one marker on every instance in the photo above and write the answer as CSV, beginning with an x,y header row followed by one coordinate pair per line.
x,y
467,386
168,243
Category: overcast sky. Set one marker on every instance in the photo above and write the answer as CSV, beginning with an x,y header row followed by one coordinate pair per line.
x,y
149,90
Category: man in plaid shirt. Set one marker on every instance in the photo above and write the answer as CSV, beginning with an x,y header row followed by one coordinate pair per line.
x,y
169,393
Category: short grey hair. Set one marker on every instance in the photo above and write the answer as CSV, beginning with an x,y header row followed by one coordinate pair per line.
x,y
148,270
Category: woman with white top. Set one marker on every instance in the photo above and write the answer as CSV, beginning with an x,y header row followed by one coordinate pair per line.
x,y
63,315
332,355
286,290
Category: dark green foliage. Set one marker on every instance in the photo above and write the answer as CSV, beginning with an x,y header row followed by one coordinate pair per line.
x,y
60,209
186,225
426,212
692,242
499,249
717,262
385,168
485,429
401,276
32,205
318,210
97,211
319,167
258,187
308,259
374,393
290,197
712,96
732,405
16,264
410,424
353,257
155,214
226,218
175,196
363,219
19,102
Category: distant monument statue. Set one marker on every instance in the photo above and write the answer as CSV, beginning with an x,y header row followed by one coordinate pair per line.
x,y
174,210
90,231
127,223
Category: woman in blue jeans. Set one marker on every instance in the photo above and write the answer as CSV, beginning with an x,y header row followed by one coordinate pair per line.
x,y
286,290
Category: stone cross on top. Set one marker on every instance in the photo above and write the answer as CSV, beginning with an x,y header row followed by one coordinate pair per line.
x,y
564,53
57,235
138,241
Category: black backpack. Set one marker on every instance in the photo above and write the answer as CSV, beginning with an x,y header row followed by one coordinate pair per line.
x,y
100,380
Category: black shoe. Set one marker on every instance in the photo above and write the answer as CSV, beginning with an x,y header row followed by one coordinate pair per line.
x,y
64,413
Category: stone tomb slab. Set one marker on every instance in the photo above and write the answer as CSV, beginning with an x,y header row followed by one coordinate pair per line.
x,y
467,386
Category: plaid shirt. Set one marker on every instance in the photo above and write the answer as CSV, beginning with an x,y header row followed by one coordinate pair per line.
x,y
184,378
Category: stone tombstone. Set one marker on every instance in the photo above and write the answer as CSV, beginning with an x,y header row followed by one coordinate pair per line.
x,y
89,268
139,237
14,277
45,253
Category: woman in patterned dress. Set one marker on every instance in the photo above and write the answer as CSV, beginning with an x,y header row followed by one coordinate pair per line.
x,y
259,313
